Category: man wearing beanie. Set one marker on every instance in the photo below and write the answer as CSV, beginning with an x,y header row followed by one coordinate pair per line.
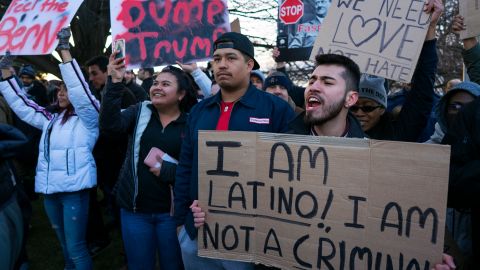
x,y
34,89
410,122
240,106
257,78
280,85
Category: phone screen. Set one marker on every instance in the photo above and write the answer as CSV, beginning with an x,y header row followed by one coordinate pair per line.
x,y
120,47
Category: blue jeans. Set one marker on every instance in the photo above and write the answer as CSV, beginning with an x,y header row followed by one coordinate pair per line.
x,y
145,234
192,261
68,214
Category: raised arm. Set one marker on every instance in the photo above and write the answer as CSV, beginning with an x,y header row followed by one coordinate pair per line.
x,y
112,119
418,104
86,105
201,79
471,50
27,110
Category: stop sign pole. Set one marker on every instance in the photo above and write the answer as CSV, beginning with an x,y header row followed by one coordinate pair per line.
x,y
291,11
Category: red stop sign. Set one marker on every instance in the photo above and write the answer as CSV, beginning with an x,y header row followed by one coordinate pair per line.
x,y
291,11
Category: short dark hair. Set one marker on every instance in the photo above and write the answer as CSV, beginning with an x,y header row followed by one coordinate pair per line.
x,y
185,83
352,71
151,71
100,60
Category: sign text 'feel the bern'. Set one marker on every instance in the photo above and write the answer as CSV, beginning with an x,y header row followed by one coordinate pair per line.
x,y
307,202
384,37
163,32
30,27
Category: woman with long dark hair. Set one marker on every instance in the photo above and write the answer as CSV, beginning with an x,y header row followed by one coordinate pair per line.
x,y
156,130
66,168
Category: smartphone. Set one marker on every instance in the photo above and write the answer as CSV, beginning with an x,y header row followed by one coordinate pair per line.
x,y
119,45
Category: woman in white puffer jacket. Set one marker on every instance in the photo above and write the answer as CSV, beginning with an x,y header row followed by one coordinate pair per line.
x,y
66,168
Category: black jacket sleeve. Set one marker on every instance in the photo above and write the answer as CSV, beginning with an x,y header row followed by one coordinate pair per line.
x,y
419,101
167,172
112,119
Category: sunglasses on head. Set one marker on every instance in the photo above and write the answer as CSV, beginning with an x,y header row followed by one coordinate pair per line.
x,y
366,109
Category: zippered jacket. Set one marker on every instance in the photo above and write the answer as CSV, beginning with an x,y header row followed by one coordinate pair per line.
x,y
255,111
149,194
65,160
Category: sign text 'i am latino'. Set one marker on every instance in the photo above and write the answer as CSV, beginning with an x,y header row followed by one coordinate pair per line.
x,y
307,202
30,27
384,37
163,32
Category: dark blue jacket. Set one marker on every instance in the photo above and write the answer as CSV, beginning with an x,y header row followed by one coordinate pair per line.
x,y
254,107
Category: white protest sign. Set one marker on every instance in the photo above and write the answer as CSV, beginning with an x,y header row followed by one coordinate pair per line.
x,y
30,27
384,37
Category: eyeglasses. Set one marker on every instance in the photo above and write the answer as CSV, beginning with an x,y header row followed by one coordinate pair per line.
x,y
455,106
366,109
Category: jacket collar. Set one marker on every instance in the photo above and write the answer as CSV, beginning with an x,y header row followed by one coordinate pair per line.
x,y
298,126
181,119
248,99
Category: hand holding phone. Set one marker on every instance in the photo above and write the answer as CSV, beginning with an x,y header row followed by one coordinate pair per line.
x,y
119,46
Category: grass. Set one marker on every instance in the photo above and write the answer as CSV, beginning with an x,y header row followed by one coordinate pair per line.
x,y
44,249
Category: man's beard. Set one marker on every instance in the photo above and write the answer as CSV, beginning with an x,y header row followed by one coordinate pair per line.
x,y
329,112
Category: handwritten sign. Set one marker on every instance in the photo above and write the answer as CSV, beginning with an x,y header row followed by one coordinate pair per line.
x,y
30,27
163,32
470,10
295,40
384,37
305,202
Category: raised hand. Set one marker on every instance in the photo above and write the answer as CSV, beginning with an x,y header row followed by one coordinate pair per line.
x,y
188,67
116,67
458,24
7,61
435,8
63,37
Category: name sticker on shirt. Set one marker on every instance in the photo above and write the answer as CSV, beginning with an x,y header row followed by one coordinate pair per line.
x,y
262,121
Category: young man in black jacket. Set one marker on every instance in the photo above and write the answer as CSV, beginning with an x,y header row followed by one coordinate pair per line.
x,y
331,91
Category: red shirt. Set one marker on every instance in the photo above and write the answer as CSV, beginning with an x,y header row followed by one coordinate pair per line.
x,y
225,113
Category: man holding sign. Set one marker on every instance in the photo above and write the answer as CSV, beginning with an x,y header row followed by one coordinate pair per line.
x,y
238,106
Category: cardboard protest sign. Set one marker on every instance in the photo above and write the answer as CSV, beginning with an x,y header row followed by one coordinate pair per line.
x,y
384,37
30,27
303,202
163,32
470,10
298,25
235,26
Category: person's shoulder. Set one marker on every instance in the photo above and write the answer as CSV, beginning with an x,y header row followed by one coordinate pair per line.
x,y
198,108
271,98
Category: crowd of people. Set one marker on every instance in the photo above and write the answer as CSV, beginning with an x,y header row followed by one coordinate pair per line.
x,y
138,144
